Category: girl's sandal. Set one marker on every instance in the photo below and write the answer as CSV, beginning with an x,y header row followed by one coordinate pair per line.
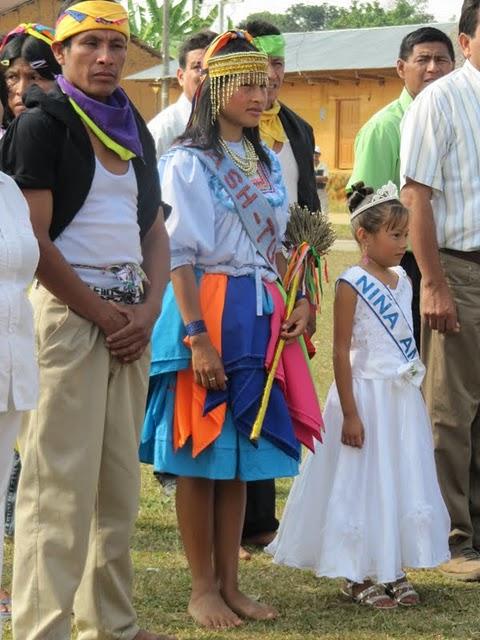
x,y
373,596
403,593
5,609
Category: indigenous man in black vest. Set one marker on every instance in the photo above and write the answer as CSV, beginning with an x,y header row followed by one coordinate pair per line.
x,y
85,161
292,139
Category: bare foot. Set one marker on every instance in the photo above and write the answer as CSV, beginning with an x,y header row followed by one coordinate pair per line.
x,y
210,610
146,635
260,539
5,604
243,554
247,607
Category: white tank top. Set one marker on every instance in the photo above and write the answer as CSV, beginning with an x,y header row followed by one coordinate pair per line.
x,y
105,230
290,171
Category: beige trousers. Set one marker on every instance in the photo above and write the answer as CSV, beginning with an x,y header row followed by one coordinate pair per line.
x,y
452,394
79,487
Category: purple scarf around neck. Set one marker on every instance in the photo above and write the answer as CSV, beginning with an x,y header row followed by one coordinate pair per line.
x,y
114,117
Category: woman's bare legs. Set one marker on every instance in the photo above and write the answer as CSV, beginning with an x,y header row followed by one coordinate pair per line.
x,y
195,513
230,499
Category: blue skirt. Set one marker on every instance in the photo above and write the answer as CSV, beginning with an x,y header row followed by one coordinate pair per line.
x,y
232,455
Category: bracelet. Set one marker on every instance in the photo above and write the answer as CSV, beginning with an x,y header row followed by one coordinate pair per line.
x,y
195,327
300,296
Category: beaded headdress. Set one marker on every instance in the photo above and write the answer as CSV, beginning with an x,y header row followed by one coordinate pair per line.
x,y
229,72
386,193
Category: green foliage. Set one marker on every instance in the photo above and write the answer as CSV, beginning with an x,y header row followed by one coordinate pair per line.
x,y
302,17
281,20
313,17
372,14
146,21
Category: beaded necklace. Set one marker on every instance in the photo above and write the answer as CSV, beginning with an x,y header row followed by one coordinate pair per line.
x,y
248,163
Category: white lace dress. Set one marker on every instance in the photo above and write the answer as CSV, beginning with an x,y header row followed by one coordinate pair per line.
x,y
370,512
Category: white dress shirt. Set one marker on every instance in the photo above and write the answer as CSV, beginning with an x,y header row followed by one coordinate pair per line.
x,y
169,124
440,148
18,260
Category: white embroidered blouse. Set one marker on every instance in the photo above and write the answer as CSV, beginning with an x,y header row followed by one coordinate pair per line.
x,y
18,260
204,227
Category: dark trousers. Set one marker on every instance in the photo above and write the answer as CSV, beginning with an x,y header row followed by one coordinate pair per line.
x,y
260,512
411,267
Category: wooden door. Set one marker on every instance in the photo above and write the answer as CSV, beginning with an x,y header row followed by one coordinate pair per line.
x,y
348,124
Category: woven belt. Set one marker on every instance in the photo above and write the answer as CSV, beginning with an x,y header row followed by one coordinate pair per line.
x,y
471,256
132,295
131,278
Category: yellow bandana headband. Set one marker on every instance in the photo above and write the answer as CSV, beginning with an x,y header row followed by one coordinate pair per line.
x,y
91,15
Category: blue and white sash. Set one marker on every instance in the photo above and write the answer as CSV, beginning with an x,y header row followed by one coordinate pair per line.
x,y
388,312
255,212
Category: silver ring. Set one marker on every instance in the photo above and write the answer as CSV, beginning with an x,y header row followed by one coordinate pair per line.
x,y
210,379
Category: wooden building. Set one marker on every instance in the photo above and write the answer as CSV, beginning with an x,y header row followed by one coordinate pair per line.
x,y
336,80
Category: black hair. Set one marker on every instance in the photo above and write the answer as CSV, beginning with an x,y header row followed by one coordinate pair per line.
x,y
199,40
204,134
4,98
469,17
257,28
425,34
391,214
31,49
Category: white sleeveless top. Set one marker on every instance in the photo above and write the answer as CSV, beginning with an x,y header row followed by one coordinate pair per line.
x,y
290,171
105,230
373,353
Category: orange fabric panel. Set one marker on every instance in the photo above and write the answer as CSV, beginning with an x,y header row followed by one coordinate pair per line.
x,y
189,420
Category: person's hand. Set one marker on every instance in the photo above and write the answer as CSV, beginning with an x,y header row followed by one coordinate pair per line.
x,y
108,318
129,343
438,308
312,321
353,433
206,364
297,323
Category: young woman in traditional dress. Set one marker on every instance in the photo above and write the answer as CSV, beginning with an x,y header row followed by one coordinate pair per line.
x,y
218,330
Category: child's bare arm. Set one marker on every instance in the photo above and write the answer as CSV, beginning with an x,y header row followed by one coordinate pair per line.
x,y
344,310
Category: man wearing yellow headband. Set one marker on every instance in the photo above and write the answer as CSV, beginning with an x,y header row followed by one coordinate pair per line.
x,y
86,163
281,128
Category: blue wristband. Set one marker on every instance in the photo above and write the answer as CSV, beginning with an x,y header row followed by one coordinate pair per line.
x,y
196,327
300,296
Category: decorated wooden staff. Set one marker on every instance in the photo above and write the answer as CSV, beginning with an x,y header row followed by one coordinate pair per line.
x,y
309,236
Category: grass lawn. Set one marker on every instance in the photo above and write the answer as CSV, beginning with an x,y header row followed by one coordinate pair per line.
x,y
310,608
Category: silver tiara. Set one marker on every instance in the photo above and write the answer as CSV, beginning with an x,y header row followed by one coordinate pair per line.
x,y
388,192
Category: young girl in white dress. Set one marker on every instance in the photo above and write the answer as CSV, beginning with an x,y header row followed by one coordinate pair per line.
x,y
367,504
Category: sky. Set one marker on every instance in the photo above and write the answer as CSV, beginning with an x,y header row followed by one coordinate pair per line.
x,y
443,10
